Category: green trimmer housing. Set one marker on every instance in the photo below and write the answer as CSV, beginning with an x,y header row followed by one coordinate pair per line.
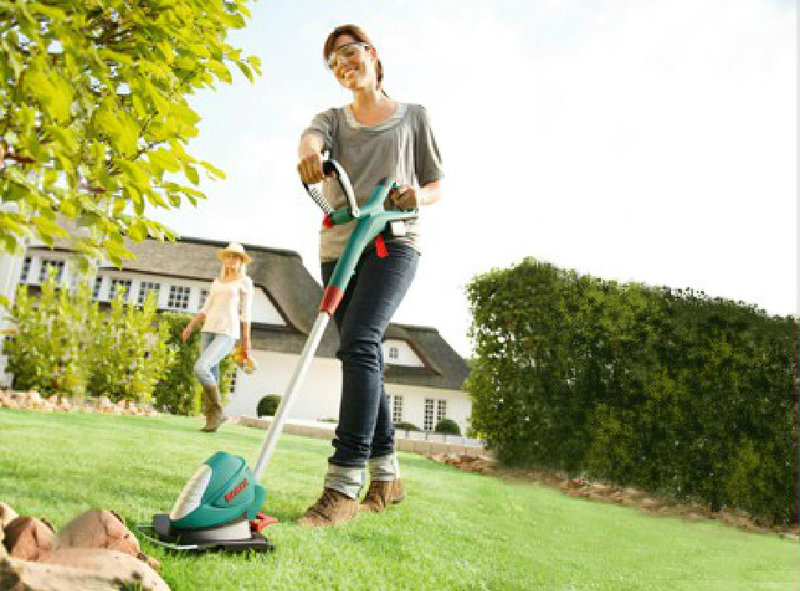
x,y
214,510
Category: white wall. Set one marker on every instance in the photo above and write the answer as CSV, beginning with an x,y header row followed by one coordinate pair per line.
x,y
405,355
459,404
319,397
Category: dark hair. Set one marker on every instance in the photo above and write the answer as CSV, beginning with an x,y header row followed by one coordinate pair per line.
x,y
358,34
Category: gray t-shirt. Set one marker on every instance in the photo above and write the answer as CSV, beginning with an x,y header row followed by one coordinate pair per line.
x,y
402,148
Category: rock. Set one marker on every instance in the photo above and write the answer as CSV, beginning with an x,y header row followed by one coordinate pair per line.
x,y
29,538
99,529
7,515
35,400
18,575
108,563
102,529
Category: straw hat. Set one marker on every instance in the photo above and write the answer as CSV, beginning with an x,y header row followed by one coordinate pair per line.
x,y
234,248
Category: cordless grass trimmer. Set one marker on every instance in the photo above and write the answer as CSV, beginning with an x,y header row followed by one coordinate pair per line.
x,y
219,505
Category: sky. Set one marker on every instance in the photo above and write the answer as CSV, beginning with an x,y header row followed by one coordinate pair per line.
x,y
653,141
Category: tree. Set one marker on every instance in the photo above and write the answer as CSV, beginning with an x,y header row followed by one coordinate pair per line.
x,y
94,117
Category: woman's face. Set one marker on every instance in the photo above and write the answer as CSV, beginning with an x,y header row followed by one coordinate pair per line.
x,y
354,63
232,261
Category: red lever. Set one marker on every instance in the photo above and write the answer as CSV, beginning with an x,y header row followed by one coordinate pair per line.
x,y
380,246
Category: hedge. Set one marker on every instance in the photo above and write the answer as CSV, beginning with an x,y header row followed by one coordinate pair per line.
x,y
66,343
669,390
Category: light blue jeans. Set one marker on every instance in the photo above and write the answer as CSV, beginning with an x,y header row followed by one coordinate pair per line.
x,y
213,349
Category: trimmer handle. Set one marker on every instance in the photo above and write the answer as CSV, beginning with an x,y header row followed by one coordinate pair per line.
x,y
331,167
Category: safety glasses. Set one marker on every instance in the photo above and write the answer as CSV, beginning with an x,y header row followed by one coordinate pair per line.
x,y
347,51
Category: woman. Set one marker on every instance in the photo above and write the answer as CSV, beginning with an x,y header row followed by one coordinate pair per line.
x,y
373,137
228,304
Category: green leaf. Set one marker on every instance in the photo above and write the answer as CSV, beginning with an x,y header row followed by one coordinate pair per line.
x,y
213,171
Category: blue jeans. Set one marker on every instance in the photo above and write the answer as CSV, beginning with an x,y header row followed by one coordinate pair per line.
x,y
375,291
213,349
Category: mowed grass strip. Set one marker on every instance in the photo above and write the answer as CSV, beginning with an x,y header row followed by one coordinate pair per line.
x,y
455,531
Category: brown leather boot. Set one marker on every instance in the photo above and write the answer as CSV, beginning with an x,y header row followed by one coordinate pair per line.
x,y
214,415
332,508
381,494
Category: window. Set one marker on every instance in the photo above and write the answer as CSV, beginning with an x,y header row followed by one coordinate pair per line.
x,y
428,426
397,408
394,353
203,298
98,284
145,287
234,375
48,264
178,297
26,269
119,285
441,410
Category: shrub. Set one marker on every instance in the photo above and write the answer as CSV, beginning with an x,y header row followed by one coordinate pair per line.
x,y
178,391
405,426
268,405
53,332
448,427
666,390
128,353
65,344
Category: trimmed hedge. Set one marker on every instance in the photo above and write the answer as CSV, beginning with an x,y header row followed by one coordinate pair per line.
x,y
668,390
448,427
268,405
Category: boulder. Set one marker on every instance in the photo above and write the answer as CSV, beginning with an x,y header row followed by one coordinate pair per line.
x,y
99,529
28,538
7,515
101,573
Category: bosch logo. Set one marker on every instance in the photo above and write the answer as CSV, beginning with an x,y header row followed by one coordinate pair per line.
x,y
239,488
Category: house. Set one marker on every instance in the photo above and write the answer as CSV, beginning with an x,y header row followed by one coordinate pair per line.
x,y
423,377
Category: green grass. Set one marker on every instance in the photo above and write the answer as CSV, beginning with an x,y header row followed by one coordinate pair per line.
x,y
455,531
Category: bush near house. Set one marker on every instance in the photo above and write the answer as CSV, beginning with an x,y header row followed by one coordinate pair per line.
x,y
268,405
448,427
405,426
65,344
667,390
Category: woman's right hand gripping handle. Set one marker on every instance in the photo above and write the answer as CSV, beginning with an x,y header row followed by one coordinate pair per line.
x,y
310,162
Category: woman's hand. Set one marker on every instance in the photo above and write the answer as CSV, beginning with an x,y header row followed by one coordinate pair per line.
x,y
406,197
310,168
310,155
244,345
187,332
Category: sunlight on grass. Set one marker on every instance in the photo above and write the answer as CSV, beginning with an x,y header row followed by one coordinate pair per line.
x,y
455,531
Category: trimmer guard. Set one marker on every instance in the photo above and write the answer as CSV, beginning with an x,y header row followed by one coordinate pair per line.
x,y
236,537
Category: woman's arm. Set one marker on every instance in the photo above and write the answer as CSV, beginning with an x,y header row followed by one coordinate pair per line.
x,y
245,340
187,332
245,312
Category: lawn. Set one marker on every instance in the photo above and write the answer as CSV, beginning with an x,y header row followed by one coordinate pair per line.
x,y
455,531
